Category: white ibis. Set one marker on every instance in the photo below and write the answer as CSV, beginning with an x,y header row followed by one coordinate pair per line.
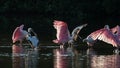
x,y
32,38
75,34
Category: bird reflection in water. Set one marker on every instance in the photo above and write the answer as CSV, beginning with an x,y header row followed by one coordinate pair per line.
x,y
103,61
18,59
64,58
24,58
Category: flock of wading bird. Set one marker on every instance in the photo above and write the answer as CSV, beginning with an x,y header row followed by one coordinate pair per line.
x,y
107,35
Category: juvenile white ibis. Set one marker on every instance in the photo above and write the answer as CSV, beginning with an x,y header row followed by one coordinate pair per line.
x,y
105,35
19,34
75,34
32,38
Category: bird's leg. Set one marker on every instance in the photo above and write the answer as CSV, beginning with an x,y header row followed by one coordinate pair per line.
x,y
31,45
20,43
116,50
62,46
70,45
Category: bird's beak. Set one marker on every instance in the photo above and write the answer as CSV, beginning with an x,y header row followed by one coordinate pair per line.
x,y
79,37
84,40
85,25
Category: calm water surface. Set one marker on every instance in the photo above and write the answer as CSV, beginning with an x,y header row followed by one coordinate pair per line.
x,y
50,56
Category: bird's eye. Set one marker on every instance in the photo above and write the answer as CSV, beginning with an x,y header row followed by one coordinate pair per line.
x,y
115,32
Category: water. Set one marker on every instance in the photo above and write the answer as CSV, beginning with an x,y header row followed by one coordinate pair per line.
x,y
50,56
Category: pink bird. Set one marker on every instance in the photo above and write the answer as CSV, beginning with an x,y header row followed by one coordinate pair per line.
x,y
19,34
63,34
104,35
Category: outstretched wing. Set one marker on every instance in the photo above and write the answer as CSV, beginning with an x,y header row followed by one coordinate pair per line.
x,y
16,33
94,35
76,31
108,37
19,33
62,32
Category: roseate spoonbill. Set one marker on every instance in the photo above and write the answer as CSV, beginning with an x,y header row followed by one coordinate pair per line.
x,y
104,35
32,38
19,34
63,34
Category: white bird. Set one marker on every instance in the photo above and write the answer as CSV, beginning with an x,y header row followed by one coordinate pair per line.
x,y
32,38
104,35
75,34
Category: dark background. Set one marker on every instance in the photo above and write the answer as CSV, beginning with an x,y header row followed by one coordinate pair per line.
x,y
39,14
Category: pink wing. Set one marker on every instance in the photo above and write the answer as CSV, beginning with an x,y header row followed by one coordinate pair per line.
x,y
108,37
105,35
62,32
96,34
16,34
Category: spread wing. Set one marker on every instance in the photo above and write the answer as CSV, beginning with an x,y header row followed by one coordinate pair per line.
x,y
19,33
76,31
16,33
108,37
94,35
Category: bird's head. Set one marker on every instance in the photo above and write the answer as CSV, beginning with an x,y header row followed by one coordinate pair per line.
x,y
106,26
29,30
